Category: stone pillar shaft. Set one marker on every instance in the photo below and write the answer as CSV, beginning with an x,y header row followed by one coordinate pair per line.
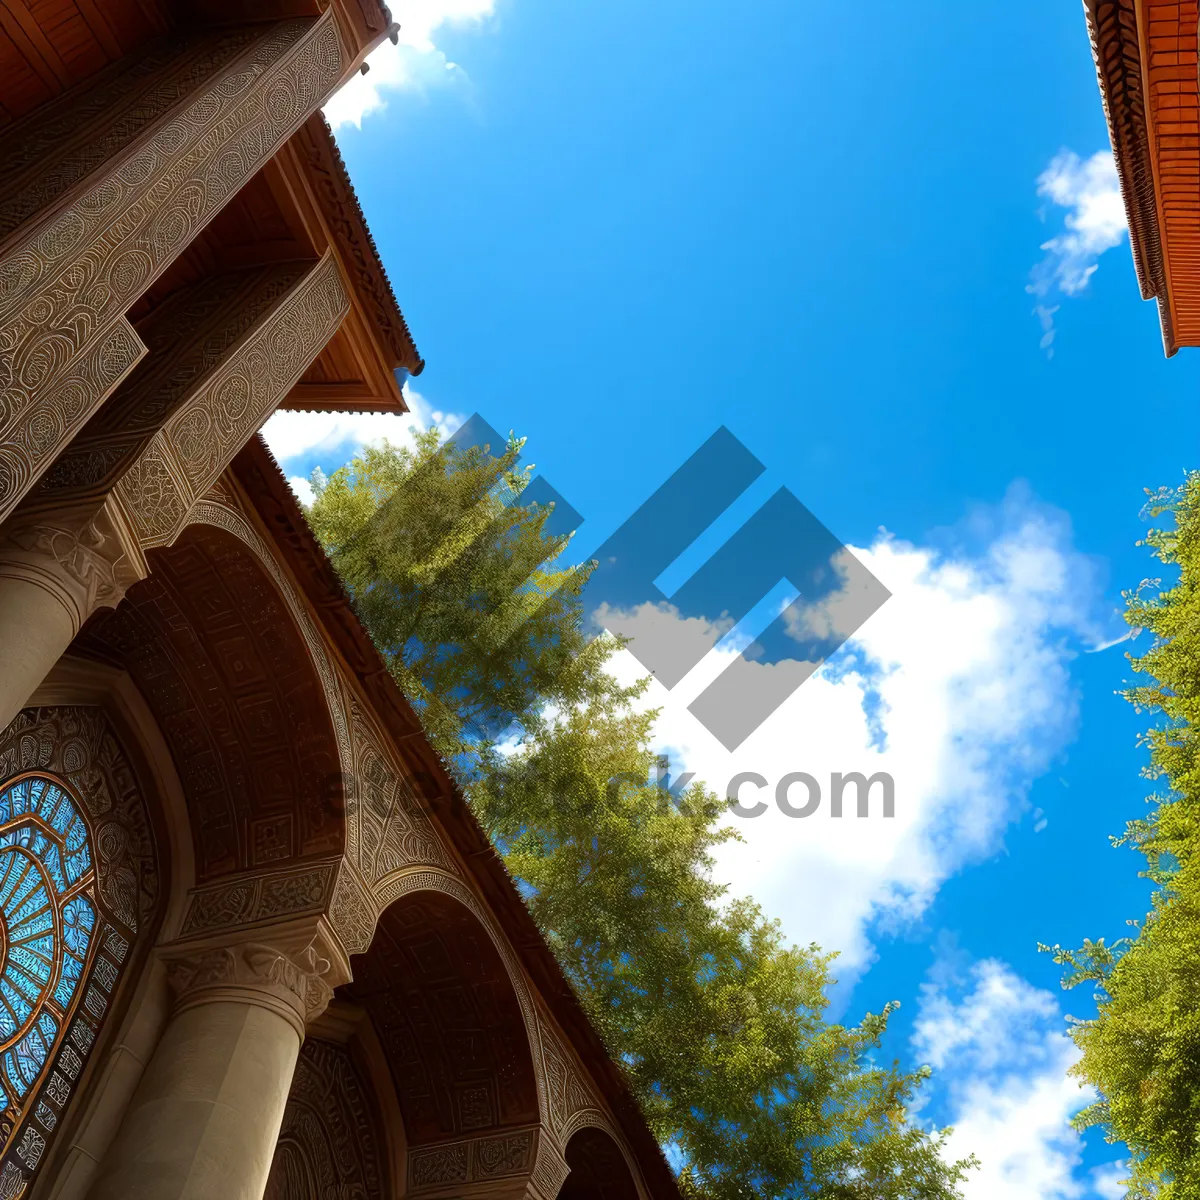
x,y
205,1118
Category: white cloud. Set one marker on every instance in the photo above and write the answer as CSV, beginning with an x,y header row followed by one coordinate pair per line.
x,y
303,489
303,440
415,63
1108,1181
1001,1058
958,687
1094,222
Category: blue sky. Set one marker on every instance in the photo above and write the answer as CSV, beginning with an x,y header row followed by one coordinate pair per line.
x,y
615,227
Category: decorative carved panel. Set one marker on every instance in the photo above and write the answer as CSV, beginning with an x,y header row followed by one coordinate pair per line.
x,y
235,689
252,898
62,144
472,1161
66,279
198,441
329,1145
78,886
187,337
450,1022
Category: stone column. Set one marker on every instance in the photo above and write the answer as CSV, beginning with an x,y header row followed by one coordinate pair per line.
x,y
56,569
205,1118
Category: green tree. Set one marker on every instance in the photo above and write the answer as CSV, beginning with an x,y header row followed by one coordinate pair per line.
x,y
1142,1050
719,1024
454,580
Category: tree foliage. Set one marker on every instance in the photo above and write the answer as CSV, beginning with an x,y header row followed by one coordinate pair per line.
x,y
719,1024
1142,1051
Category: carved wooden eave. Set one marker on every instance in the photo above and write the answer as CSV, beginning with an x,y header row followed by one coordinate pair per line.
x,y
315,147
265,488
358,372
1146,62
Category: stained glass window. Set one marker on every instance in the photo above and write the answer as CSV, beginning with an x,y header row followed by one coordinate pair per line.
x,y
61,957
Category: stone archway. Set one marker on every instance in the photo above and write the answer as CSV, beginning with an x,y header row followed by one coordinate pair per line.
x,y
211,644
449,1019
599,1170
330,1143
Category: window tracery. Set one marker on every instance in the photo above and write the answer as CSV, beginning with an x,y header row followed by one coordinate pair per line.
x,y
62,951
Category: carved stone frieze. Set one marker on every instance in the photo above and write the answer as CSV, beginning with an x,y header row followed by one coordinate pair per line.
x,y
249,899
67,278
184,458
62,143
494,1164
188,336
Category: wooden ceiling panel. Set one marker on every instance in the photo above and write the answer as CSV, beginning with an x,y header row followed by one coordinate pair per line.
x,y
48,47
24,89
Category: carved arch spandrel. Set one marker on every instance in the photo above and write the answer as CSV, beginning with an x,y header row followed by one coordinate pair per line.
x,y
572,1102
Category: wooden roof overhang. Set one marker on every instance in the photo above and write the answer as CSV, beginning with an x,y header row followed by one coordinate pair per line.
x,y
266,489
1146,61
298,206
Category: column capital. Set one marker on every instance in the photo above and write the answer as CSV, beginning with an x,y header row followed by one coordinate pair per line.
x,y
84,555
290,970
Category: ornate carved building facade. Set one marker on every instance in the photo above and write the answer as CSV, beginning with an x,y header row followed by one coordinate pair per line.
x,y
253,942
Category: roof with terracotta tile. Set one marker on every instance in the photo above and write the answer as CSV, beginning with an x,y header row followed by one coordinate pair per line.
x,y
1146,61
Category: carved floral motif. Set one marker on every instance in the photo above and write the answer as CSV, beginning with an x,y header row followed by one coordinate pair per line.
x,y
86,557
290,978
